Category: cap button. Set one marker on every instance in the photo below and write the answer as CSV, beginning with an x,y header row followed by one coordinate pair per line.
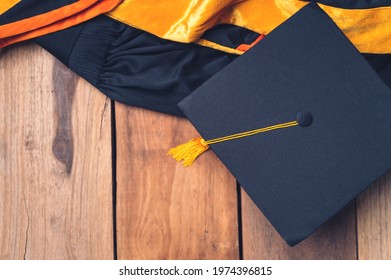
x,y
304,118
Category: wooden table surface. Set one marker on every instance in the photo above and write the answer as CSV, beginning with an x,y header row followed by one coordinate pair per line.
x,y
82,177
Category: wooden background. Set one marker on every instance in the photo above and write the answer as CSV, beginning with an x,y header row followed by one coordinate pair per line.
x,y
82,177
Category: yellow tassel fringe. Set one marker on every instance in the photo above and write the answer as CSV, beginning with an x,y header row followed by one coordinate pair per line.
x,y
188,152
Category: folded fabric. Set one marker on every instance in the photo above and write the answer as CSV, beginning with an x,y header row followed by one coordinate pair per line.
x,y
27,15
133,66
31,18
136,68
365,23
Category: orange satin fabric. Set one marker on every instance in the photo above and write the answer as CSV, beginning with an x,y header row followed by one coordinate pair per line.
x,y
38,21
186,20
94,10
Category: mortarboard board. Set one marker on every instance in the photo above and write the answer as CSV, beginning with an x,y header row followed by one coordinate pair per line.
x,y
301,120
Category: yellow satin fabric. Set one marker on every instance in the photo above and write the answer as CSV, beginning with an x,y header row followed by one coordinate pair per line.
x,y
5,5
186,20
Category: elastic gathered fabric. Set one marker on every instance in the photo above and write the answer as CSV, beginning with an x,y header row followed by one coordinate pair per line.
x,y
132,66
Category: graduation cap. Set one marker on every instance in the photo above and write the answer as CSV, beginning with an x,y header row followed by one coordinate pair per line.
x,y
301,120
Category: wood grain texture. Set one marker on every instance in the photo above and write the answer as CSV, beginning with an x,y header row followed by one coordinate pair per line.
x,y
166,211
55,161
336,239
374,221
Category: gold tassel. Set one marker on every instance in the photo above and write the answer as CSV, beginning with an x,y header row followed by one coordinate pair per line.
x,y
188,152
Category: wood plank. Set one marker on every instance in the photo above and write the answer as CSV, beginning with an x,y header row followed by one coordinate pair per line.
x,y
166,211
55,161
374,220
336,239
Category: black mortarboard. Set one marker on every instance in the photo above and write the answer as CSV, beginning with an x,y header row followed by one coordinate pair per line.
x,y
301,120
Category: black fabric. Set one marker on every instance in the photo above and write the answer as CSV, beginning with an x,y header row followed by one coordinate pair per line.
x,y
30,8
381,63
135,67
355,4
61,43
230,35
298,176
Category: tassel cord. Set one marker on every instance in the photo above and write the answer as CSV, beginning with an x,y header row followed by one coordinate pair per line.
x,y
187,153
